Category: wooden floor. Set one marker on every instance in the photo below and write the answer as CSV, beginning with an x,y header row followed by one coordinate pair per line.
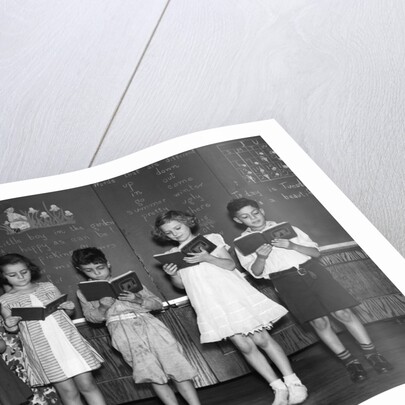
x,y
324,376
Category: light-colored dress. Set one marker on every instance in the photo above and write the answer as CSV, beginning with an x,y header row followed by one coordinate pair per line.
x,y
225,303
145,343
54,349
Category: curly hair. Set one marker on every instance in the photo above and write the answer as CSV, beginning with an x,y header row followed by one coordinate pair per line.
x,y
14,258
184,217
237,204
87,256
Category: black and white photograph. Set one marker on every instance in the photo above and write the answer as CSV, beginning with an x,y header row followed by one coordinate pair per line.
x,y
302,315
202,202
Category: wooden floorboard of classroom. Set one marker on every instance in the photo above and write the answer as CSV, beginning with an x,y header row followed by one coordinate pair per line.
x,y
327,381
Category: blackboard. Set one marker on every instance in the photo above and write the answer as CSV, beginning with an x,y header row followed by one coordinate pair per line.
x,y
48,227
118,214
202,181
182,182
250,168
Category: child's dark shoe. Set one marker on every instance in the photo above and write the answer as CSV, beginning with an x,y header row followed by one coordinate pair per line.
x,y
356,372
297,393
379,363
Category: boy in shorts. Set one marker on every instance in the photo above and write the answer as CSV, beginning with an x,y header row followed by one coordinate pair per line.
x,y
307,289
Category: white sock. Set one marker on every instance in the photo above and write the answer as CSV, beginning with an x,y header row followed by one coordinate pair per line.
x,y
292,379
278,385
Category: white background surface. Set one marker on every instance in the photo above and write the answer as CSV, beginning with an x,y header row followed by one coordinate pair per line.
x,y
82,83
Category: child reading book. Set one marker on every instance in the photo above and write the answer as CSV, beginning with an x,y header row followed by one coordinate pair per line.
x,y
145,343
56,353
306,287
227,306
249,242
196,245
94,290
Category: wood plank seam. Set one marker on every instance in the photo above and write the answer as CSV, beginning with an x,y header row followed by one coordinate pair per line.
x,y
128,85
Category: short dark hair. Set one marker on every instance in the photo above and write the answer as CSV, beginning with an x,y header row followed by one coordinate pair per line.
x,y
238,203
188,219
14,258
87,256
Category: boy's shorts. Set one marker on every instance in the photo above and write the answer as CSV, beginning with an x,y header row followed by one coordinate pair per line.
x,y
311,292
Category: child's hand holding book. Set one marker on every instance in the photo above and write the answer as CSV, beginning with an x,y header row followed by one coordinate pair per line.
x,y
98,289
135,298
106,302
264,250
201,256
278,235
11,323
170,268
67,306
39,313
283,243
193,249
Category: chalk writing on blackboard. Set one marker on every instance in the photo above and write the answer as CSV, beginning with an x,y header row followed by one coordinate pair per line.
x,y
255,161
286,189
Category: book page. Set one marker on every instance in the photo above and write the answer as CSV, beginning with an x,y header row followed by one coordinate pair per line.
x,y
200,173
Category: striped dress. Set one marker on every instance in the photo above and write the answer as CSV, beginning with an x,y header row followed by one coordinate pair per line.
x,y
54,349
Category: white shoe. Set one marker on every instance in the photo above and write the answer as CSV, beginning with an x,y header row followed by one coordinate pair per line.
x,y
297,393
280,397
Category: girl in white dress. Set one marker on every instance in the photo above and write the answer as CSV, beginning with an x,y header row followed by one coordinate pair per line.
x,y
227,306
55,351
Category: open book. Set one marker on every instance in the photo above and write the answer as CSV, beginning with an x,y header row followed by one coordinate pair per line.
x,y
114,207
97,289
198,244
248,243
39,313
